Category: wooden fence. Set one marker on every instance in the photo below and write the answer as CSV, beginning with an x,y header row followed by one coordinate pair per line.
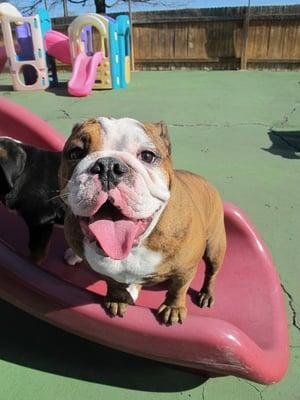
x,y
219,38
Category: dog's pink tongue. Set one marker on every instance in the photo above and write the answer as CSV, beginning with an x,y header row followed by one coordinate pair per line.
x,y
115,237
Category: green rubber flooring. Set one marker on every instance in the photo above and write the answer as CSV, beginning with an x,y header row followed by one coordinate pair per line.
x,y
221,126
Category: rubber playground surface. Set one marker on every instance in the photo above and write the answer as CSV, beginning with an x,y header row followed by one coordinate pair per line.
x,y
238,129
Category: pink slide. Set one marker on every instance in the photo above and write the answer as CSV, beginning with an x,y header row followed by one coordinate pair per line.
x,y
3,57
57,46
84,74
243,334
84,69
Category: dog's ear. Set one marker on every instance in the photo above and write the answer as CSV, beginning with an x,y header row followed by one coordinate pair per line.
x,y
164,134
76,127
12,163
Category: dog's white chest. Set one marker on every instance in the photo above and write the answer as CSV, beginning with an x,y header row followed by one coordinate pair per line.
x,y
140,263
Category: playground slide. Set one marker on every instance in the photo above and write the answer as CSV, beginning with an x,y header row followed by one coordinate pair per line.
x,y
84,74
57,46
243,334
3,58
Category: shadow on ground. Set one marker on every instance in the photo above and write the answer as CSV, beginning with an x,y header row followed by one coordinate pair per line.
x,y
285,144
6,88
61,89
27,341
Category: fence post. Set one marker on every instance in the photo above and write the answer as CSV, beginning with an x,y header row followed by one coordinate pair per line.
x,y
131,36
245,37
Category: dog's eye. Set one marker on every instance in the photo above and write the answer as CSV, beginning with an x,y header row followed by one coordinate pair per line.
x,y
76,153
148,156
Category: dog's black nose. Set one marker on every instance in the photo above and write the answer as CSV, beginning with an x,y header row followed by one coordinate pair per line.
x,y
110,171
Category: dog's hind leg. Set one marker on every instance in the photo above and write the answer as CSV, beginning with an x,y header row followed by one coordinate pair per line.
x,y
213,257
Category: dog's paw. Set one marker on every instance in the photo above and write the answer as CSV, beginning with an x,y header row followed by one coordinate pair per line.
x,y
38,259
115,308
170,315
205,299
71,258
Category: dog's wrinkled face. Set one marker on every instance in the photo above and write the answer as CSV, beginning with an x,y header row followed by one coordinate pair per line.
x,y
115,178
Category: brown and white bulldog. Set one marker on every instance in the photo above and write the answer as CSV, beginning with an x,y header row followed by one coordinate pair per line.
x,y
136,220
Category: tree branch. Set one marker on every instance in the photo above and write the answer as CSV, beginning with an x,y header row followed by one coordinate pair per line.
x,y
30,8
83,2
102,4
112,5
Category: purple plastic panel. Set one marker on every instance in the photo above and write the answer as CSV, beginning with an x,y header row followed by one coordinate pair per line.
x,y
86,37
26,53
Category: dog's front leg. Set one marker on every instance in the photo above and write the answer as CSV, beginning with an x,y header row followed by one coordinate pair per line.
x,y
173,309
39,240
118,297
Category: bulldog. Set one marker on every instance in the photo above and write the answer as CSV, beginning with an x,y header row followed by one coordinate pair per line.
x,y
29,186
136,220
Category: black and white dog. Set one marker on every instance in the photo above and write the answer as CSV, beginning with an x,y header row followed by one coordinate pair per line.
x,y
29,185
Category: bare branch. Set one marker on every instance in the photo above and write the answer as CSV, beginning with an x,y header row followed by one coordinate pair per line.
x,y
83,2
142,1
30,7
113,4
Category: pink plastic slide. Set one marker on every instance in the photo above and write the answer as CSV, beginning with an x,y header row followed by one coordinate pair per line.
x,y
3,57
243,334
84,74
84,69
57,46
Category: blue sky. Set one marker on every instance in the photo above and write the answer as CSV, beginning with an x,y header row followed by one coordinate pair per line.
x,y
160,5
